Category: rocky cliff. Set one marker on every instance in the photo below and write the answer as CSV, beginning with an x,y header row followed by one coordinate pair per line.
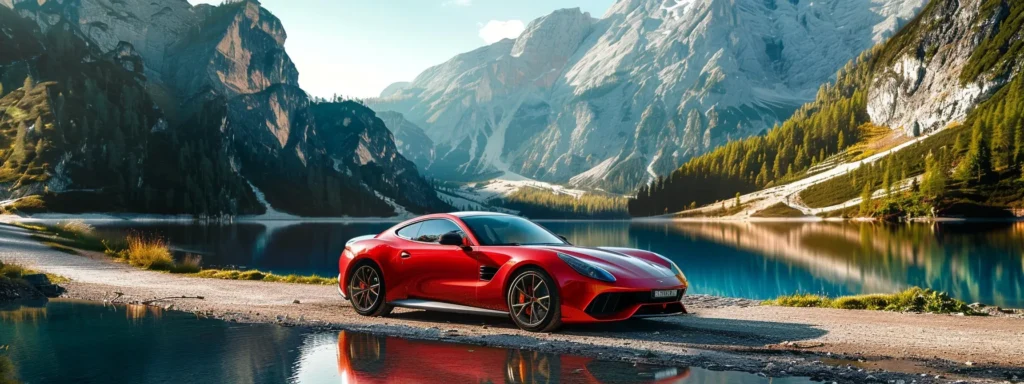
x,y
925,83
412,142
608,103
220,86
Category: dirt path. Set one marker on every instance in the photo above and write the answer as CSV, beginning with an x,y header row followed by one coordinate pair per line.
x,y
720,333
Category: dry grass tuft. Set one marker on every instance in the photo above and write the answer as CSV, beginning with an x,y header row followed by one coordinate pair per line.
x,y
148,252
77,228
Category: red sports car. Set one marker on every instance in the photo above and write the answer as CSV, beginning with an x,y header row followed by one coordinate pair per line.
x,y
496,264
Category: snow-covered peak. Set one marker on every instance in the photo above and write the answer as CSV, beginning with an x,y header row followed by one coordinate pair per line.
x,y
607,103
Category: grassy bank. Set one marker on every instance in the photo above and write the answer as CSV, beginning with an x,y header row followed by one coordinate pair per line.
x,y
265,276
910,300
16,272
148,252
780,210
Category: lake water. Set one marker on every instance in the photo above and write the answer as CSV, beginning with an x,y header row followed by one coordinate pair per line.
x,y
976,262
68,341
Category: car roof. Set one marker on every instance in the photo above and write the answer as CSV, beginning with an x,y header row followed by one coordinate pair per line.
x,y
477,213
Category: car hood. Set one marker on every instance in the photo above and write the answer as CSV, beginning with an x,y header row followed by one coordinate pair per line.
x,y
621,265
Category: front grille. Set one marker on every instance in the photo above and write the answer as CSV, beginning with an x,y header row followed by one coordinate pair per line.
x,y
487,273
610,303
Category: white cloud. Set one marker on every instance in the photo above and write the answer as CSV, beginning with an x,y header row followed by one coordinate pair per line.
x,y
457,3
495,30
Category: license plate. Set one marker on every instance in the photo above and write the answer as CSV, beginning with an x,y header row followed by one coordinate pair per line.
x,y
665,293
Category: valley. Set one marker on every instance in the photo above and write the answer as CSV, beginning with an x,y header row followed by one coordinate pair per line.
x,y
543,125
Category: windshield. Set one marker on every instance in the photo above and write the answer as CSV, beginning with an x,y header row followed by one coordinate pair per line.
x,y
509,230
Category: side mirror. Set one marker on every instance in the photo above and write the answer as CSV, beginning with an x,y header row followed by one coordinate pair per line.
x,y
451,238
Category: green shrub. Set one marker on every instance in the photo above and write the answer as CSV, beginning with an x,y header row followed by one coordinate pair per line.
x,y
12,271
251,275
190,264
801,300
8,372
913,299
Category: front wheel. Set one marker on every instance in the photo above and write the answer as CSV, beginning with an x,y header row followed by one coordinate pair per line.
x,y
366,291
533,301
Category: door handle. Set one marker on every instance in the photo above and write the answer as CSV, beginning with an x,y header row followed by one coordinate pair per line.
x,y
404,255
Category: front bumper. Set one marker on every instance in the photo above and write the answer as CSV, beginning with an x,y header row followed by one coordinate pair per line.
x,y
340,291
590,303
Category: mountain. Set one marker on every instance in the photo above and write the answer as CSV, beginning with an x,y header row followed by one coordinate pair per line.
x,y
412,142
609,103
934,118
209,111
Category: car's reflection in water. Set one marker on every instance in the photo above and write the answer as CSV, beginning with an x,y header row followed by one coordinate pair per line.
x,y
366,358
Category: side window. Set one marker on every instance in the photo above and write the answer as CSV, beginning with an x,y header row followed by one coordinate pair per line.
x,y
432,230
410,231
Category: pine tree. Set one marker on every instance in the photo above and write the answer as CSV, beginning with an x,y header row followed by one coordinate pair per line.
x,y
887,181
737,199
762,177
960,145
1002,145
934,180
29,83
865,200
1018,145
977,164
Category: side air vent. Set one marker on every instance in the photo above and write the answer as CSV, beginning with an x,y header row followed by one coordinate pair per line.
x,y
487,273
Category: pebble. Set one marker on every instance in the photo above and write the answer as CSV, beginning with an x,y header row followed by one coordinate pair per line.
x,y
296,301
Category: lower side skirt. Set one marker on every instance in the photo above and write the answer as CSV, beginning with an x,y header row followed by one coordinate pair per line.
x,y
430,305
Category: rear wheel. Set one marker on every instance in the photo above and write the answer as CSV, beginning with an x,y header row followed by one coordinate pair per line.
x,y
366,291
533,301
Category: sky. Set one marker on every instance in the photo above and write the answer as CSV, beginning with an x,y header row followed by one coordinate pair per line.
x,y
356,48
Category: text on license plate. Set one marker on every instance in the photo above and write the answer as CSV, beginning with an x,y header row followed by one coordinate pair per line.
x,y
663,293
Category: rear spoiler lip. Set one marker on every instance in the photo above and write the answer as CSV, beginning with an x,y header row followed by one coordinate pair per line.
x,y
359,238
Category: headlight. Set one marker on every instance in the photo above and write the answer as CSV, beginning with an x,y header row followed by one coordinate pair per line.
x,y
587,269
677,272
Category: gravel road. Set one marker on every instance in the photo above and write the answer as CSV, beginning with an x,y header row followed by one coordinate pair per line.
x,y
720,333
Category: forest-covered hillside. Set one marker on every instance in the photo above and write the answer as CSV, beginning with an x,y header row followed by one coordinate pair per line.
x,y
938,74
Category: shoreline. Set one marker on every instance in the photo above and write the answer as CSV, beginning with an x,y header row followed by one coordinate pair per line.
x,y
722,333
183,219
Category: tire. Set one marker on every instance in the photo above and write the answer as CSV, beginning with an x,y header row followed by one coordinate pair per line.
x,y
366,290
527,305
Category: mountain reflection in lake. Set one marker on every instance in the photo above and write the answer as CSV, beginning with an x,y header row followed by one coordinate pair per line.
x,y
973,261
70,341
